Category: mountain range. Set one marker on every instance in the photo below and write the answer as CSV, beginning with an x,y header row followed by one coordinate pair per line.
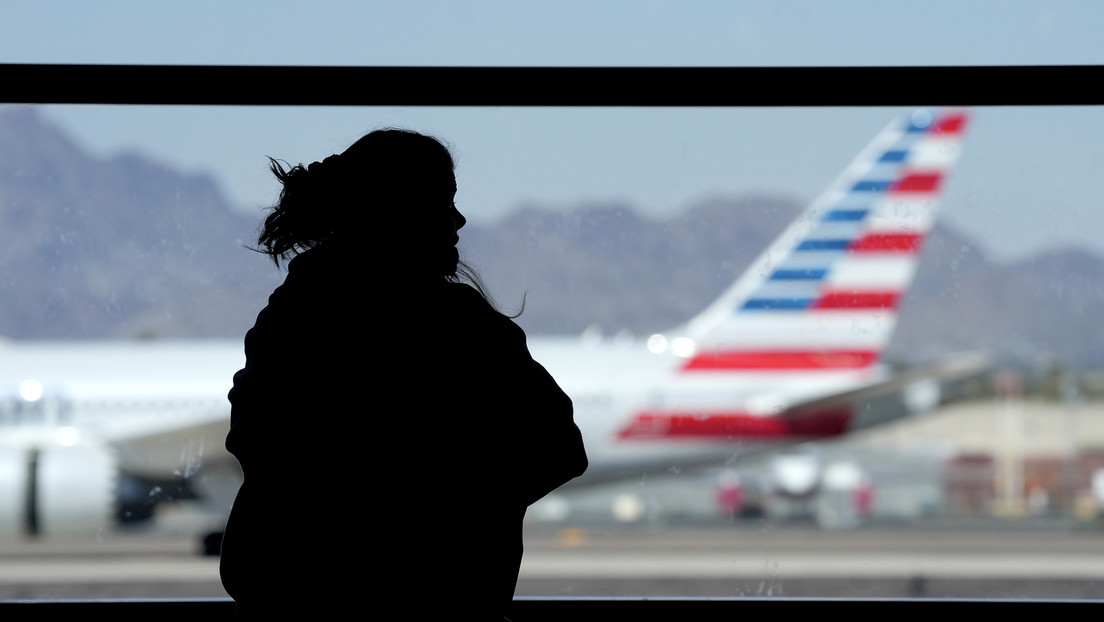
x,y
126,247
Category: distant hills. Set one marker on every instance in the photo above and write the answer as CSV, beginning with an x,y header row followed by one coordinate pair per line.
x,y
117,247
125,247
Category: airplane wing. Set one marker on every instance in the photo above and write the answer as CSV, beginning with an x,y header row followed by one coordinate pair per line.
x,y
770,419
907,393
175,450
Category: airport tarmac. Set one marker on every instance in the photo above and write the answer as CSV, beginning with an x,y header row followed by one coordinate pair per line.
x,y
721,561
788,561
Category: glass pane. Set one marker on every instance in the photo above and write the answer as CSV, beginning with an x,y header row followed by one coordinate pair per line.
x,y
129,288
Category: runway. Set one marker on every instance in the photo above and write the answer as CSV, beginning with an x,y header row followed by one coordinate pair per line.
x,y
720,561
808,562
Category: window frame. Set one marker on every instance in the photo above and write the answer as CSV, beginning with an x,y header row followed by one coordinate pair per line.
x,y
253,85
237,85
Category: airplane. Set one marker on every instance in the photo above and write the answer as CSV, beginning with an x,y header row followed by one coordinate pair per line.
x,y
791,352
91,432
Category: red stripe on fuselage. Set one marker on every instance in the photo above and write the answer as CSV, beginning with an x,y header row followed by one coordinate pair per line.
x,y
774,360
729,426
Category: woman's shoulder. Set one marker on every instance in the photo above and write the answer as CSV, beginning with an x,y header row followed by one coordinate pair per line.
x,y
465,294
468,306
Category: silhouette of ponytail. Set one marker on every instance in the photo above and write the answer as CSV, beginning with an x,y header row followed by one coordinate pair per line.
x,y
302,218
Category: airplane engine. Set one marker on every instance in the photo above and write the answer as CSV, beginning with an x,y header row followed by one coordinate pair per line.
x,y
56,489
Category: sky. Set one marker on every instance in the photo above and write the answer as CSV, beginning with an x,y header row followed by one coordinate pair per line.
x,y
1024,183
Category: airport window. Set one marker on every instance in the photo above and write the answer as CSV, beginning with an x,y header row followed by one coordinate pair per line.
x,y
1014,455
998,492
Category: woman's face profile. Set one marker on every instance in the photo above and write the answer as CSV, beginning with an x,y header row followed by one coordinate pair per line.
x,y
444,223
451,221
457,222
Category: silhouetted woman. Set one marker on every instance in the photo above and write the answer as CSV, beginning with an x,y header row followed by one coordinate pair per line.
x,y
391,424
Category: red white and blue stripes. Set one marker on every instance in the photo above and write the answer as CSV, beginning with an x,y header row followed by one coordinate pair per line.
x,y
825,295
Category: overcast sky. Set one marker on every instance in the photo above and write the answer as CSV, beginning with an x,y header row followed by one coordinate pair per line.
x,y
1025,181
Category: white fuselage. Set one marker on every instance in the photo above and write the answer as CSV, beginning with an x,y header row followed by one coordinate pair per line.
x,y
130,393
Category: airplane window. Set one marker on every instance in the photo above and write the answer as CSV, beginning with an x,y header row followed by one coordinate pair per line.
x,y
805,363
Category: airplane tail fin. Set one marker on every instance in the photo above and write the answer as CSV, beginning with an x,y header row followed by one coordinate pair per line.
x,y
824,295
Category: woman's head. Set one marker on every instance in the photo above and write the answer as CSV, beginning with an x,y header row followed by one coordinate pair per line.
x,y
390,193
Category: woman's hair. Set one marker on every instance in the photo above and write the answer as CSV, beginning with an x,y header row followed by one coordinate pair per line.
x,y
384,179
391,180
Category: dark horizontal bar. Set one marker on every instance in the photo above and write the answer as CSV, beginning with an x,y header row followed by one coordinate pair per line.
x,y
550,86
